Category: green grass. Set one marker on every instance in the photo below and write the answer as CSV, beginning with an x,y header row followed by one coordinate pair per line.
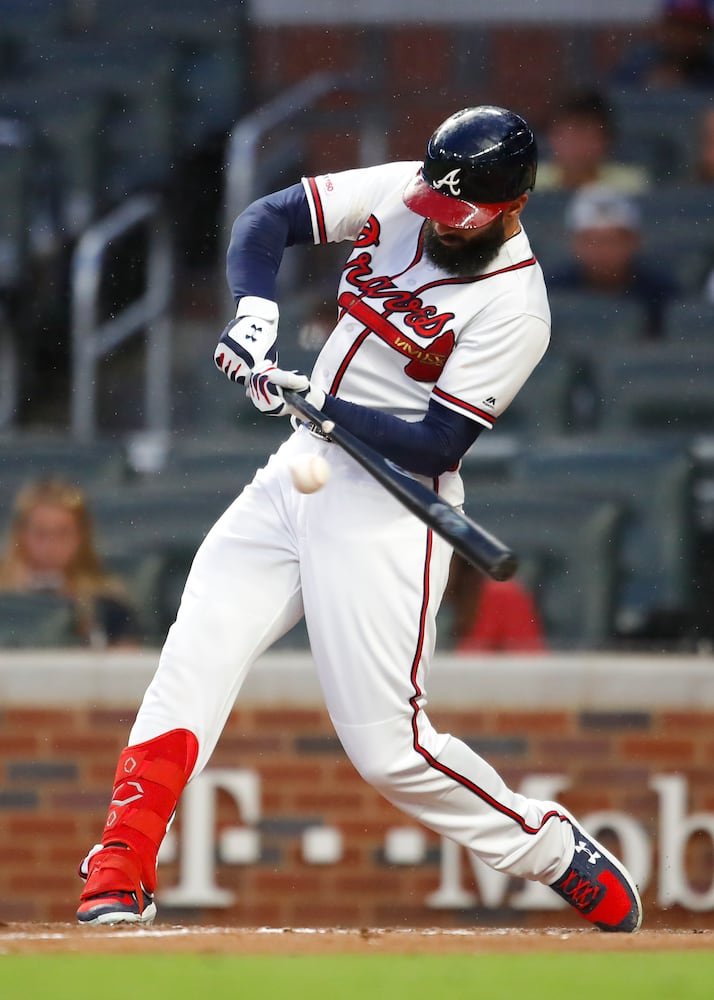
x,y
671,975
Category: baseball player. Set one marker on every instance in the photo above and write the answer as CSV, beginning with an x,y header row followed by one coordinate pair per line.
x,y
442,314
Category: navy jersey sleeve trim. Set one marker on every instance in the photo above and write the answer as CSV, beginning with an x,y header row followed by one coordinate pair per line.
x,y
259,237
428,447
488,419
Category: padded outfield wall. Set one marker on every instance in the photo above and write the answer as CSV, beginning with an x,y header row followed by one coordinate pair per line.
x,y
280,830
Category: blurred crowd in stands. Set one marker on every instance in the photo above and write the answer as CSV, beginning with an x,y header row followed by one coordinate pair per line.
x,y
619,219
52,563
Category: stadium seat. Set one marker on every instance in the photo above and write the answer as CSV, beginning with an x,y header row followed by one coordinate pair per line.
x,y
210,60
16,163
689,323
658,127
491,459
547,403
676,235
231,459
143,574
35,621
651,484
544,222
9,371
157,517
567,547
657,389
28,456
587,324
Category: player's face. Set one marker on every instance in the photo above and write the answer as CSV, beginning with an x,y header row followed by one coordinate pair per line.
x,y
463,252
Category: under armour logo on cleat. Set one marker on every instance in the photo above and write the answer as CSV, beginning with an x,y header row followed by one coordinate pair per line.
x,y
593,856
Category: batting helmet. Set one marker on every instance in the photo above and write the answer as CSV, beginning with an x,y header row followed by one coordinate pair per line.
x,y
477,162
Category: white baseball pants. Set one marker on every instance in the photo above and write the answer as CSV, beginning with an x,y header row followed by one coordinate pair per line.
x,y
369,578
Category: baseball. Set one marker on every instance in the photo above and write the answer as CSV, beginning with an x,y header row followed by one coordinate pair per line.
x,y
309,473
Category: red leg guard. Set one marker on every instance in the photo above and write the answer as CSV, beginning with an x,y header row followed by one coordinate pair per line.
x,y
149,780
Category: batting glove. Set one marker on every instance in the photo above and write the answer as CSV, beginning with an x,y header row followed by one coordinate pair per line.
x,y
265,391
248,342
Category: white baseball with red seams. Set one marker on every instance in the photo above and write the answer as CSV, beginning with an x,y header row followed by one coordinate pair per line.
x,y
309,473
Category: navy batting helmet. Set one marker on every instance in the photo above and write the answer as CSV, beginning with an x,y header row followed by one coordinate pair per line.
x,y
477,162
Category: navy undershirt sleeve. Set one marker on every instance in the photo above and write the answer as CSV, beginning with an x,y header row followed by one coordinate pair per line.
x,y
259,237
428,447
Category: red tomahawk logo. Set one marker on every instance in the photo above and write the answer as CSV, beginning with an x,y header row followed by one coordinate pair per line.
x,y
425,363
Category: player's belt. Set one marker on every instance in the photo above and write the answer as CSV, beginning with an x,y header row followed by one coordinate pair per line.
x,y
318,431
312,427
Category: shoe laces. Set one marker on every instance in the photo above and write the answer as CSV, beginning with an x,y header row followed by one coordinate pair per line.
x,y
580,890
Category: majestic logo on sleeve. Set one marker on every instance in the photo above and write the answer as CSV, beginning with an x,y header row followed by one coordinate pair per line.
x,y
451,180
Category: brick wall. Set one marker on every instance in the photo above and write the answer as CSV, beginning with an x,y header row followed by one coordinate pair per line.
x,y
423,72
58,760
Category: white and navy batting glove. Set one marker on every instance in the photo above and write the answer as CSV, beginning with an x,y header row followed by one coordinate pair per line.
x,y
248,342
265,391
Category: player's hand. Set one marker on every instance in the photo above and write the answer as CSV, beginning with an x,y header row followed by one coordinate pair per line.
x,y
265,391
248,342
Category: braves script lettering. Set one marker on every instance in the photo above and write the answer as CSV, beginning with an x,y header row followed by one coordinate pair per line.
x,y
422,318
369,237
426,363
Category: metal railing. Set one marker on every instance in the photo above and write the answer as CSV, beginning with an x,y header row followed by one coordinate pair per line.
x,y
259,133
93,339
9,373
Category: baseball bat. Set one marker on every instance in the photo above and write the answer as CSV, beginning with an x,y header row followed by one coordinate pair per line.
x,y
478,546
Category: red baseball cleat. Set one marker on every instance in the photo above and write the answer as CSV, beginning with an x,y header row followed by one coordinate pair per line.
x,y
599,887
114,893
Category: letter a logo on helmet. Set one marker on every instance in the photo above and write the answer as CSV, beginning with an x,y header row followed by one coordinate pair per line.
x,y
477,163
450,180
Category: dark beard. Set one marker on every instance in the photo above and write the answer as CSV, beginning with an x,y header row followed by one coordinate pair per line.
x,y
467,258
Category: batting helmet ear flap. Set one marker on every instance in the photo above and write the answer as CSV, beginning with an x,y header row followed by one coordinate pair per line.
x,y
477,162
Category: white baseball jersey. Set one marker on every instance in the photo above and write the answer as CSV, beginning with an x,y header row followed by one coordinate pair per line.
x,y
469,342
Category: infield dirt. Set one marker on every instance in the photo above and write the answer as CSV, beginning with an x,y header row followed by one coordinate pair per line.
x,y
59,938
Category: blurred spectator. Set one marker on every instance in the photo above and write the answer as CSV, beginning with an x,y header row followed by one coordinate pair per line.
x,y
680,51
486,616
580,140
703,174
51,548
605,230
704,163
